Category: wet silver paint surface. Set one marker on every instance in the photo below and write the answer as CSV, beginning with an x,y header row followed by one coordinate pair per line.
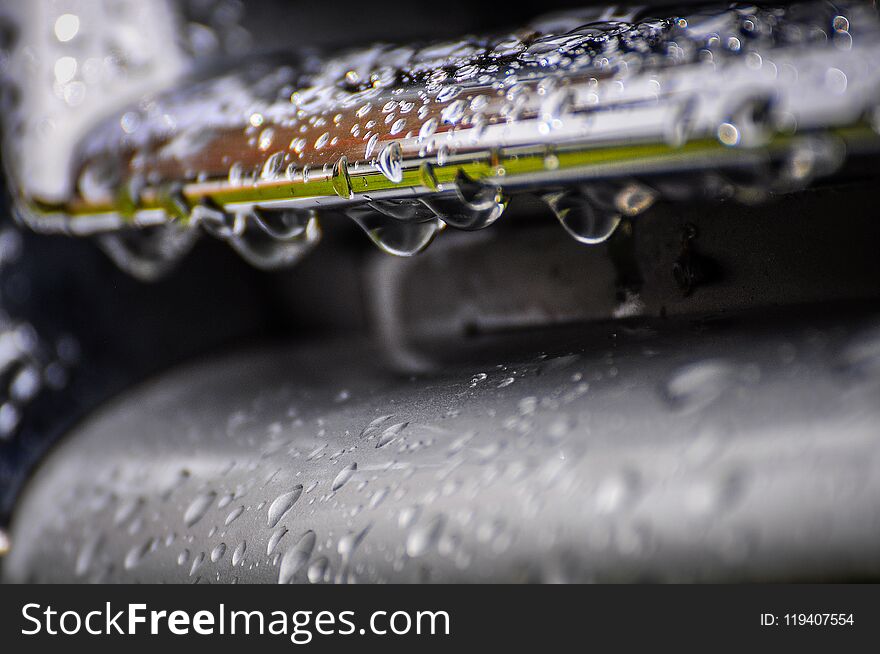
x,y
720,450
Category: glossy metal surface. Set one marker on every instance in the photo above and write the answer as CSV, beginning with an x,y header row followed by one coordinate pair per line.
x,y
743,448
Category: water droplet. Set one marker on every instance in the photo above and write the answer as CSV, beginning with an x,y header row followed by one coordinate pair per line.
x,y
475,205
217,222
136,554
371,146
556,105
697,385
390,433
238,554
711,496
298,145
349,543
282,504
341,180
398,126
581,218
264,251
87,554
66,27
442,155
128,510
728,134
265,140
403,210
428,128
448,92
454,112
425,536
198,508
218,552
197,563
274,539
319,571
617,491
391,162
233,515
283,224
378,497
344,475
272,167
296,557
402,239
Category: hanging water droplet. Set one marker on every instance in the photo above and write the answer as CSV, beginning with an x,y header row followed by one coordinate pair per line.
x,y
218,222
581,218
404,210
283,224
473,206
149,253
269,253
393,236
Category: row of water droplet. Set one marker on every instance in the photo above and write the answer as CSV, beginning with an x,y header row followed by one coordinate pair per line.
x,y
376,86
